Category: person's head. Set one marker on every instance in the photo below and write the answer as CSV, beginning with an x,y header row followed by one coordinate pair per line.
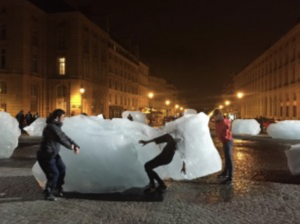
x,y
218,115
57,115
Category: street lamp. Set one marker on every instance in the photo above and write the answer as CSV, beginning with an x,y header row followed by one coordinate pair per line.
x,y
176,108
221,107
227,103
167,103
240,95
150,95
81,90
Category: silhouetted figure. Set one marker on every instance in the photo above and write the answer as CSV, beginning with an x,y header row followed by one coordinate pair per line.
x,y
20,118
164,158
129,117
28,118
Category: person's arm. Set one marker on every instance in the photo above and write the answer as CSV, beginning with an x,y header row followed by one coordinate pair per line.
x,y
144,142
183,169
64,140
158,140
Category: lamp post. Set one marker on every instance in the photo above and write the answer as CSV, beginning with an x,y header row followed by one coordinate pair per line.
x,y
150,95
81,90
167,103
239,95
176,108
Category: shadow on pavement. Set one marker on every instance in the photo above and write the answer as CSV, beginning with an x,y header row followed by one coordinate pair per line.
x,y
132,194
19,188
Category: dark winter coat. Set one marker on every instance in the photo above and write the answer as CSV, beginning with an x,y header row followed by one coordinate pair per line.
x,y
53,137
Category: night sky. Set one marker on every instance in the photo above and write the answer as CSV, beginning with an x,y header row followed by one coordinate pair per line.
x,y
194,44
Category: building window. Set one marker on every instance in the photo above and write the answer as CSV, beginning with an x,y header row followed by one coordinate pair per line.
x,y
3,105
61,42
61,91
34,63
3,87
2,32
2,58
34,38
62,66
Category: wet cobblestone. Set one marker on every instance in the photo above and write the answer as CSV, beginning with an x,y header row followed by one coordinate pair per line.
x,y
263,191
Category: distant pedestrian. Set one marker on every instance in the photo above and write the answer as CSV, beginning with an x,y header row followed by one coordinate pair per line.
x,y
129,117
224,134
164,158
28,118
20,118
48,155
36,116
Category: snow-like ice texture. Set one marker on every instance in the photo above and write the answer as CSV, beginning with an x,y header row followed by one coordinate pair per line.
x,y
100,116
189,111
285,130
197,147
136,116
293,158
245,126
9,132
36,128
111,159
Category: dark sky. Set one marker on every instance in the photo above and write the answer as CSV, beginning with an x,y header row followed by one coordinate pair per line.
x,y
197,44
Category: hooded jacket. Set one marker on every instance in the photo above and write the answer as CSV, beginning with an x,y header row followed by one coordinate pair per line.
x,y
53,137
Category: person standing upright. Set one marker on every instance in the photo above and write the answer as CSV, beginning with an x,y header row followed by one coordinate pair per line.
x,y
48,154
224,134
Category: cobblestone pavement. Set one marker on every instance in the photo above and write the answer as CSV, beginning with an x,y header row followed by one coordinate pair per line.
x,y
263,192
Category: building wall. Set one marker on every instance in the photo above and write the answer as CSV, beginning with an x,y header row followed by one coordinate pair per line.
x,y
127,80
271,83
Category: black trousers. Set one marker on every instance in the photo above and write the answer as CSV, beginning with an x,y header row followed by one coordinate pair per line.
x,y
228,169
165,157
55,171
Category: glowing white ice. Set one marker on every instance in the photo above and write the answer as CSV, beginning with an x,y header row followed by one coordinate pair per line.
x,y
36,128
136,116
285,130
245,126
189,111
111,159
293,158
9,132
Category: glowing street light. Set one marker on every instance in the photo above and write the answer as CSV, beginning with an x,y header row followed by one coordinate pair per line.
x,y
240,95
81,90
150,95
227,102
167,103
221,107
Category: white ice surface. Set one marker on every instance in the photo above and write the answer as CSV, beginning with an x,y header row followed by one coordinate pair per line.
x,y
136,116
293,158
36,128
289,129
111,159
245,126
9,134
189,111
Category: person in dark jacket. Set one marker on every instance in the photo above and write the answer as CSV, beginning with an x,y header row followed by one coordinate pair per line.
x,y
48,155
20,118
164,158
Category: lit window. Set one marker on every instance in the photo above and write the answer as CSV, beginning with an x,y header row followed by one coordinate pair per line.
x,y
62,66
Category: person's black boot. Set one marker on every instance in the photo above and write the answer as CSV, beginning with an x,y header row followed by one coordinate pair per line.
x,y
150,188
162,187
48,195
222,175
59,192
228,181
